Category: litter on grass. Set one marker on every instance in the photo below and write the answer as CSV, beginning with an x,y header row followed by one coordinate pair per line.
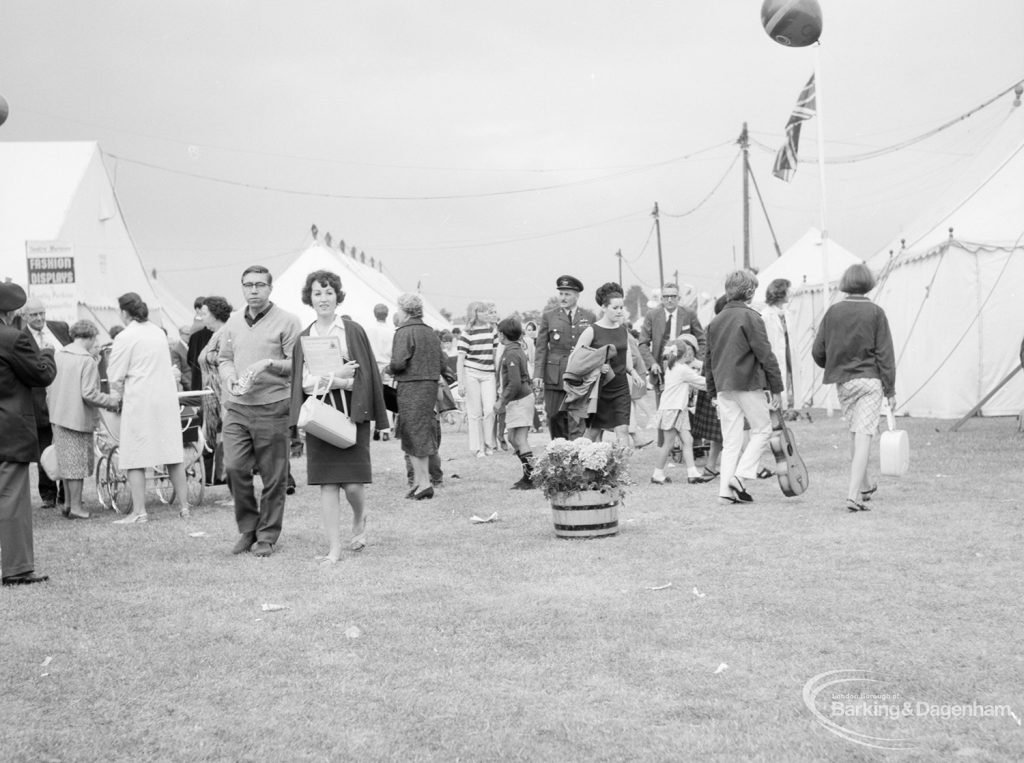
x,y
480,520
199,534
47,661
353,632
698,594
659,587
721,668
274,607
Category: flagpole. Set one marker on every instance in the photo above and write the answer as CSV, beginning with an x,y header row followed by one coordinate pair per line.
x,y
820,119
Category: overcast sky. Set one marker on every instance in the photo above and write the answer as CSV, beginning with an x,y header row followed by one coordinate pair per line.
x,y
482,149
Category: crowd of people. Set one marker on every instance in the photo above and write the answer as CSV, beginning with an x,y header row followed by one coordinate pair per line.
x,y
715,387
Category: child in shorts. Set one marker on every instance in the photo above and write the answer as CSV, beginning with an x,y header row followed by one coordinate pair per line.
x,y
673,417
515,396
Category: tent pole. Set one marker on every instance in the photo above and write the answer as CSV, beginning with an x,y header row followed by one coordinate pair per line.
x,y
819,112
984,400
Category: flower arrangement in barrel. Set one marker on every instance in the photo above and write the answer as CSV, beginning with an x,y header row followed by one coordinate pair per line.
x,y
569,466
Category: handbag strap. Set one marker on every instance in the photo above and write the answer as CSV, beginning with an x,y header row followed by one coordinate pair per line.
x,y
327,399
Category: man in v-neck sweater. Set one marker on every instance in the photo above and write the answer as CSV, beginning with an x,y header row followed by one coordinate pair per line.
x,y
255,367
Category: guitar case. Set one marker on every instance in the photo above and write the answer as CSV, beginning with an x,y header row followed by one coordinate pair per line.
x,y
789,466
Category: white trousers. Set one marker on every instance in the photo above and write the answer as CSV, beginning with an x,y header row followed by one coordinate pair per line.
x,y
481,392
733,407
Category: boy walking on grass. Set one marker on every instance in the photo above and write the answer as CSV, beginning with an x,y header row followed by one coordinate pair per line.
x,y
673,417
516,396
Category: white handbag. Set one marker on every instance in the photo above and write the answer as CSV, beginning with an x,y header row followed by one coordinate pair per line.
x,y
321,419
48,460
893,448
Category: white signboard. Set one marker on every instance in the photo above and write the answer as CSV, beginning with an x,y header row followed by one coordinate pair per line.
x,y
51,278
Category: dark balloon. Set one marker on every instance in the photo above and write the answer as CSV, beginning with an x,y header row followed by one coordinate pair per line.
x,y
794,23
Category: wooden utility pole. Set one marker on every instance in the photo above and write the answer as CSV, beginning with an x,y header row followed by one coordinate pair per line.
x,y
657,229
619,255
745,147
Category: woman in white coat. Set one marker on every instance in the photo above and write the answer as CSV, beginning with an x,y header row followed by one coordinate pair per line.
x,y
140,375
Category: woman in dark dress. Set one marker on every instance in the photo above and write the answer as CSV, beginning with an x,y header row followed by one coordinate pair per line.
x,y
613,400
358,379
417,362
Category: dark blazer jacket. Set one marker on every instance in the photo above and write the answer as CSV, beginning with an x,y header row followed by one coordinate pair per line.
x,y
652,332
555,340
367,392
739,356
197,342
23,367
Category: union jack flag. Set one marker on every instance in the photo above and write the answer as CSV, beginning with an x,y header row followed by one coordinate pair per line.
x,y
785,160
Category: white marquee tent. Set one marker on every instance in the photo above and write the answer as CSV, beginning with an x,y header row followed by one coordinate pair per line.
x,y
803,264
954,293
364,287
57,198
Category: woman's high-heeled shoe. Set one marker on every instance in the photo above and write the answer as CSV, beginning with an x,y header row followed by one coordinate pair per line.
x,y
852,506
739,492
865,495
424,495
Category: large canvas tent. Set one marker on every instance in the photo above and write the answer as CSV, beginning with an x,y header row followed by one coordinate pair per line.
x,y
57,198
953,289
364,287
803,264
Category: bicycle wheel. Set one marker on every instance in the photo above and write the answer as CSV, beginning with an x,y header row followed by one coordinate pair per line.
x,y
117,482
162,484
102,485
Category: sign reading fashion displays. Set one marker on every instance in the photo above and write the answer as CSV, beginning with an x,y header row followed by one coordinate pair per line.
x,y
51,278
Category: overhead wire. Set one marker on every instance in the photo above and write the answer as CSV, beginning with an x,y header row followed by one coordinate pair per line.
x,y
349,162
424,197
647,241
883,276
710,193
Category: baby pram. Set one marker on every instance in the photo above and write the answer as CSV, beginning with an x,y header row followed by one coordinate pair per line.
x,y
112,480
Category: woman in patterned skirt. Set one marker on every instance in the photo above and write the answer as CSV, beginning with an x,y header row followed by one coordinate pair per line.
x,y
73,400
854,346
417,363
706,425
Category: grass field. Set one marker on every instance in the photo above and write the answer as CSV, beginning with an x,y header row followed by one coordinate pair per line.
x,y
690,635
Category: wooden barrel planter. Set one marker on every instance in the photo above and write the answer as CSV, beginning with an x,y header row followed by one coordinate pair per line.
x,y
586,513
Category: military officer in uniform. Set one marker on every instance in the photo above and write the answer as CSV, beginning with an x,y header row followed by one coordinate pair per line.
x,y
559,329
